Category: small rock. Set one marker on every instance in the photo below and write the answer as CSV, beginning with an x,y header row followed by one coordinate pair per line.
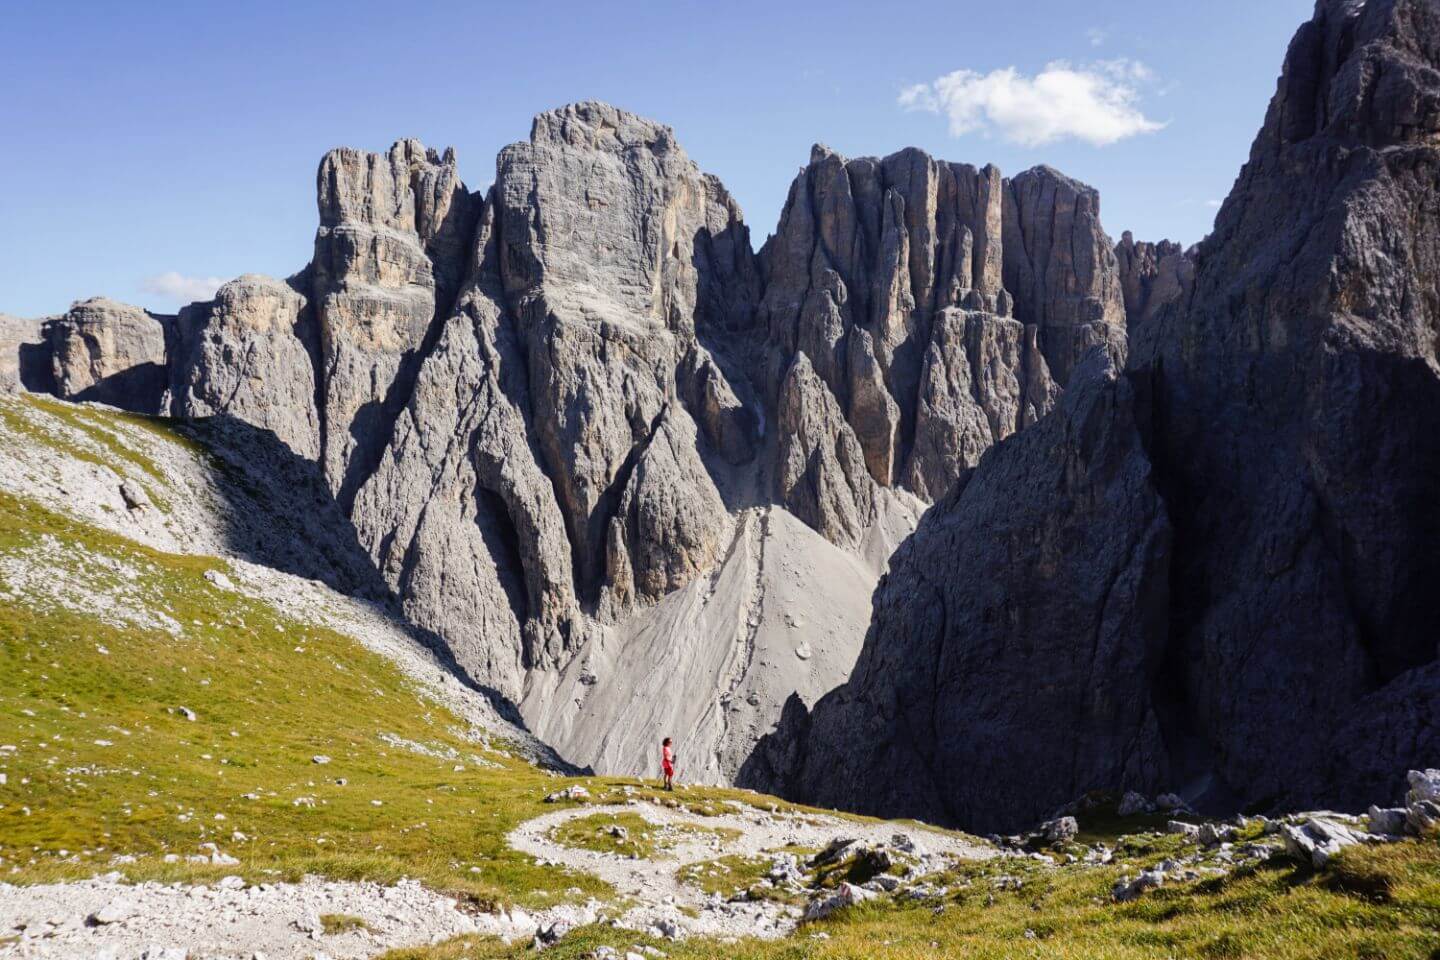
x,y
320,759
116,911
1388,821
134,495
186,712
1060,830
1127,889
837,849
906,844
845,895
1422,803
1315,839
164,953
551,934
1211,834
219,580
573,792
785,870
1424,785
1180,828
1423,819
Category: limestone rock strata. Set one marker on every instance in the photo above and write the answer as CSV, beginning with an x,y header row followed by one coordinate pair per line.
x,y
615,251
1211,573
390,255
1066,511
110,353
941,306
249,354
550,412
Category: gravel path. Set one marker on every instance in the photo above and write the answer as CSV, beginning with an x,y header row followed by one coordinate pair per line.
x,y
666,904
106,918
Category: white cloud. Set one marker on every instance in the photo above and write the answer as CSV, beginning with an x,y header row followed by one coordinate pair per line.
x,y
1214,204
1096,36
1098,103
182,289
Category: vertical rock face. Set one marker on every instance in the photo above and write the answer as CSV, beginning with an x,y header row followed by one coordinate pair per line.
x,y
459,516
1065,512
1060,268
25,361
390,255
932,302
1239,531
1297,419
248,354
1152,275
615,253
111,353
821,474
547,473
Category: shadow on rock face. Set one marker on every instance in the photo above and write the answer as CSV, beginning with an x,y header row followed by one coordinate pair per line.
x,y
280,511
139,389
36,370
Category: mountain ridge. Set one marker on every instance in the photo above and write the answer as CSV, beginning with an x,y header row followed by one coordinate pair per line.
x,y
559,411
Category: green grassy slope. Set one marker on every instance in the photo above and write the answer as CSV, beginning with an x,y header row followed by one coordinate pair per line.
x,y
104,763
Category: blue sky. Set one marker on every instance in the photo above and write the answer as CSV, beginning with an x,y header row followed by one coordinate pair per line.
x,y
179,140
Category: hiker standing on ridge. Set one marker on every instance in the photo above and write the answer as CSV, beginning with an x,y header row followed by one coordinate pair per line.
x,y
667,763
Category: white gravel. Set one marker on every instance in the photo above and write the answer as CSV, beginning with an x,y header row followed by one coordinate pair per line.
x,y
229,920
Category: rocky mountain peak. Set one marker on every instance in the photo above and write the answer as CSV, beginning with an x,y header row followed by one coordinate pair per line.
x,y
569,417
595,125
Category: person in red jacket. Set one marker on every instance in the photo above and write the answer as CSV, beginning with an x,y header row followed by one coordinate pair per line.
x,y
667,763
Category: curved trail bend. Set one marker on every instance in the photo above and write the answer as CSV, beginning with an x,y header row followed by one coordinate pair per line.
x,y
654,884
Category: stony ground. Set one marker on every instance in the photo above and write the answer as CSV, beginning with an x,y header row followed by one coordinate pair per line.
x,y
664,903
108,917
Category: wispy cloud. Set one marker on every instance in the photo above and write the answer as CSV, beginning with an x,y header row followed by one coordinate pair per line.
x,y
1096,36
1214,204
1097,103
175,286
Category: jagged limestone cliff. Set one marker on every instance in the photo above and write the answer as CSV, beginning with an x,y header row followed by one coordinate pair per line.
x,y
633,475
